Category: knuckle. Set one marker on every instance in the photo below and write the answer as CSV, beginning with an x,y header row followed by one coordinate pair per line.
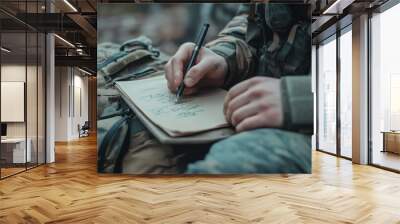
x,y
228,111
265,119
188,45
235,118
255,80
170,88
260,78
173,60
167,66
263,106
228,97
242,127
194,71
230,92
230,106
275,115
255,93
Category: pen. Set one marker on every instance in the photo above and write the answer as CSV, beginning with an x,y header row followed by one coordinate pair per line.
x,y
199,43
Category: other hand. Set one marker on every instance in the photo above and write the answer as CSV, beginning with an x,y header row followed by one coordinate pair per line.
x,y
254,103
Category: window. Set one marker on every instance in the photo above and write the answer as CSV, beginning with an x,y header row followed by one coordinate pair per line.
x,y
385,89
327,96
22,75
346,93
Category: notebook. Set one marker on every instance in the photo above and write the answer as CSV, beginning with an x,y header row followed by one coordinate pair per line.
x,y
197,118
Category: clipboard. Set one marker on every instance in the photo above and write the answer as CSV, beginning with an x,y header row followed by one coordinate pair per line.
x,y
198,138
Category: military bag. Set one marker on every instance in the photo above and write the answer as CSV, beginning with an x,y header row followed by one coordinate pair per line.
x,y
134,59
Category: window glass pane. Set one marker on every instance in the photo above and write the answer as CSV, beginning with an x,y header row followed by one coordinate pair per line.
x,y
41,98
14,153
327,97
314,79
31,97
346,94
385,84
22,88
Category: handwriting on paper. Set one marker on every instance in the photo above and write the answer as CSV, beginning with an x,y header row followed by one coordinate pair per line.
x,y
164,103
203,111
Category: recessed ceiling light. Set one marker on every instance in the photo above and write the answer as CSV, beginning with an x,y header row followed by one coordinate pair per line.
x,y
5,50
329,9
64,40
337,7
70,5
84,71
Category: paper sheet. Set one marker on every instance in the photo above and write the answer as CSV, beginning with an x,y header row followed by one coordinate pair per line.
x,y
198,113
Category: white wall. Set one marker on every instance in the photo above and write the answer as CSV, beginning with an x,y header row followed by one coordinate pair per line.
x,y
17,73
12,101
69,82
61,103
34,125
14,73
79,117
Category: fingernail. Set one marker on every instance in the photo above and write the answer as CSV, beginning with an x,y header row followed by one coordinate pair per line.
x,y
189,81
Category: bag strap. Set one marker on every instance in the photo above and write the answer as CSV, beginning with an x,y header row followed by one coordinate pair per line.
x,y
285,50
107,140
252,13
111,59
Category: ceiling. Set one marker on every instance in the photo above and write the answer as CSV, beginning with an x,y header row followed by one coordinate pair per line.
x,y
74,22
333,15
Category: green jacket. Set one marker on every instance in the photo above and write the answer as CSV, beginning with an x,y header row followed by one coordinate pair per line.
x,y
251,49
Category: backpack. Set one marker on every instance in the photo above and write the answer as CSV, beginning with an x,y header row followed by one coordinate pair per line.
x,y
134,59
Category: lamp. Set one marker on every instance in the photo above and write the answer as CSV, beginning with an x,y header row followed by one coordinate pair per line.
x,y
64,40
5,50
84,71
70,5
337,7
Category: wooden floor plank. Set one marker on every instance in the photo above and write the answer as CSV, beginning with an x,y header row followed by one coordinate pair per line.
x,y
71,191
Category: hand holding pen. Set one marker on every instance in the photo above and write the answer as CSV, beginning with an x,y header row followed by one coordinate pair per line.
x,y
207,70
192,61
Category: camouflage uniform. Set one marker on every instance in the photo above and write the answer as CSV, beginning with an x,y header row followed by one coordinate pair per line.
x,y
271,40
250,48
120,133
124,144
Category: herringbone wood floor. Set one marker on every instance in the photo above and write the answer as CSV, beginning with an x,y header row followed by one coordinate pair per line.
x,y
70,191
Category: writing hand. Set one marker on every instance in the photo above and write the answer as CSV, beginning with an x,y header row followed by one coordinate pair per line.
x,y
254,103
209,71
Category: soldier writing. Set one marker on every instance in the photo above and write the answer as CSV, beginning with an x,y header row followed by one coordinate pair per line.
x,y
262,58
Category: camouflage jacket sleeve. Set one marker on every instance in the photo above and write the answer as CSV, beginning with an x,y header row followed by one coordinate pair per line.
x,y
297,98
298,104
231,45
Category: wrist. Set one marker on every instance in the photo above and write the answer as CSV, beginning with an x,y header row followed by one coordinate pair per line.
x,y
223,70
